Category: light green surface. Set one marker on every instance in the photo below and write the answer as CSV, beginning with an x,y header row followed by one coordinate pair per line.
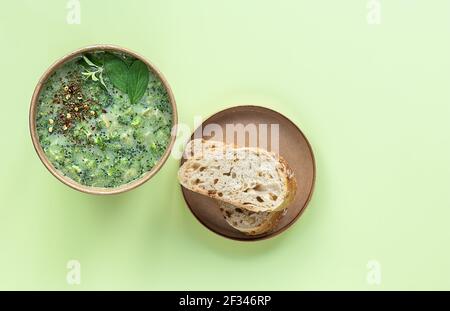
x,y
374,100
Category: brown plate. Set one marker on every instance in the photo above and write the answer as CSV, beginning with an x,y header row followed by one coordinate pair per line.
x,y
292,146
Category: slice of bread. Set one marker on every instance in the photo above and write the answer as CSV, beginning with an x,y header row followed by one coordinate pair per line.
x,y
249,178
251,223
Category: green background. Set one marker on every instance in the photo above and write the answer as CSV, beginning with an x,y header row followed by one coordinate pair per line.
x,y
374,101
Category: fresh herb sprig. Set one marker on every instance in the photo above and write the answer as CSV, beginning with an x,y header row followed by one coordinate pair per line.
x,y
131,79
95,72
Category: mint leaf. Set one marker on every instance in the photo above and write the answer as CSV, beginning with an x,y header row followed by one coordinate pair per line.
x,y
138,78
117,72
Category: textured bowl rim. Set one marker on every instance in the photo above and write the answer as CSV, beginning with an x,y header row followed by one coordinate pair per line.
x,y
40,152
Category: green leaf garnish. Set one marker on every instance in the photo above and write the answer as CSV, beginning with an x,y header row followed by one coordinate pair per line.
x,y
132,80
138,77
117,72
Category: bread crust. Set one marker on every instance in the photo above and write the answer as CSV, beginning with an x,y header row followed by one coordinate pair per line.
x,y
291,183
268,224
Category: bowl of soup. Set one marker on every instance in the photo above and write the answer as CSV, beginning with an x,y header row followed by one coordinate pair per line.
x,y
101,119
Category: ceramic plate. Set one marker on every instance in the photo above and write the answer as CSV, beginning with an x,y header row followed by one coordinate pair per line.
x,y
291,144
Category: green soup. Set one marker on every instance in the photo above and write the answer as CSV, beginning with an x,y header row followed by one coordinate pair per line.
x,y
104,119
